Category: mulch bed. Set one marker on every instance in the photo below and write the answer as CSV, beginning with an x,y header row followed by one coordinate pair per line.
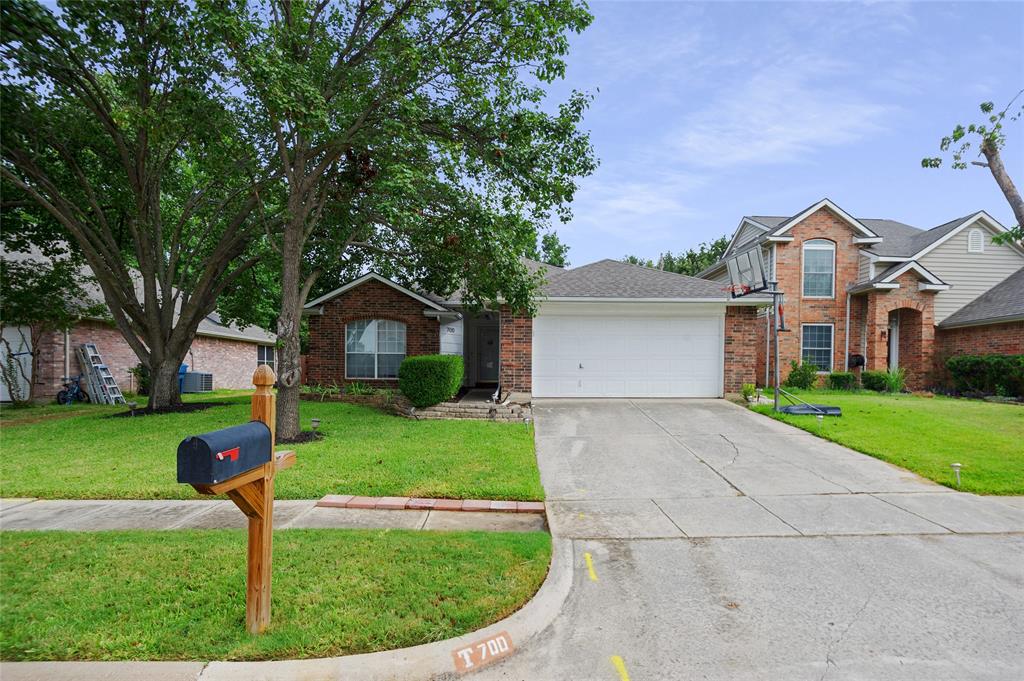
x,y
186,408
302,438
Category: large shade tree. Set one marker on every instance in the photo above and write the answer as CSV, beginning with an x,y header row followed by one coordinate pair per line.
x,y
117,141
412,137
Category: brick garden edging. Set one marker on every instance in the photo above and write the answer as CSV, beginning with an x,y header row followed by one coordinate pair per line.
x,y
420,504
398,404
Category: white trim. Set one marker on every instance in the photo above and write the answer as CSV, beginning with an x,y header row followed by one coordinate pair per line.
x,y
885,286
867,239
917,267
826,203
982,216
779,239
719,301
817,245
932,287
743,221
832,344
384,280
972,247
983,322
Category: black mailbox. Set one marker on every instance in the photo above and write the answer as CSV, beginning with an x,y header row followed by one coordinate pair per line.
x,y
856,361
215,457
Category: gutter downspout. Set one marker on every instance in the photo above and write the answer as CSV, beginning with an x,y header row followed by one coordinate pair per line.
x,y
767,347
67,354
846,335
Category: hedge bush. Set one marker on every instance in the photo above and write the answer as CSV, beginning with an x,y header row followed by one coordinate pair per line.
x,y
874,380
989,374
842,380
801,375
427,380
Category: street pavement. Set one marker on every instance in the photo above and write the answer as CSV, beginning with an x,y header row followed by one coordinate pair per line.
x,y
713,543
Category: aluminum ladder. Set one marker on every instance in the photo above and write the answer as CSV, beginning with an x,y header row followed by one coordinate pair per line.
x,y
101,381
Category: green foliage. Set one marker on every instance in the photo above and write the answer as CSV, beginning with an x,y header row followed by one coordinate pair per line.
x,y
803,375
874,380
142,378
896,380
1011,235
427,380
990,133
357,388
748,390
552,250
841,380
988,374
691,263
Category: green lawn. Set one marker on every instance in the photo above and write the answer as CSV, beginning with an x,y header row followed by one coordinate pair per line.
x,y
181,595
926,435
79,453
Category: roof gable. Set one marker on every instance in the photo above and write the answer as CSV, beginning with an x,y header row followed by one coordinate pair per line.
x,y
856,224
373,276
1004,302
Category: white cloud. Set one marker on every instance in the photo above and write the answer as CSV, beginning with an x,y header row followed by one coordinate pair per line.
x,y
780,113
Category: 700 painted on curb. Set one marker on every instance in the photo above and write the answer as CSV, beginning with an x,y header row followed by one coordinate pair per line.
x,y
483,652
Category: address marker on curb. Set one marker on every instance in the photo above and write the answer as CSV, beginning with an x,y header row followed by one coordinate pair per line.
x,y
483,652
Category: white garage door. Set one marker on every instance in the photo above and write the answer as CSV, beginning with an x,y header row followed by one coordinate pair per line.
x,y
616,356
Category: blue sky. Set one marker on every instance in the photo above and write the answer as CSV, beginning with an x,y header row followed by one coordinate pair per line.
x,y
710,111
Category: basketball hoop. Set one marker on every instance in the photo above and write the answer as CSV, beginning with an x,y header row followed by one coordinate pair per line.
x,y
736,290
747,273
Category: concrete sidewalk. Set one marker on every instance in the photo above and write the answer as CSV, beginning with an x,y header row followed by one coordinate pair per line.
x,y
97,515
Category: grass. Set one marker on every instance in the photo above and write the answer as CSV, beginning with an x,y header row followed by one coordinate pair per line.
x,y
181,595
926,435
78,453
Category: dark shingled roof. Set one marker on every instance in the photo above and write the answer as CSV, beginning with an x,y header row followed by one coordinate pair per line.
x,y
615,279
1002,302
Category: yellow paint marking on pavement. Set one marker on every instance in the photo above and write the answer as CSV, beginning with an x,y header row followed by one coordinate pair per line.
x,y
620,667
590,566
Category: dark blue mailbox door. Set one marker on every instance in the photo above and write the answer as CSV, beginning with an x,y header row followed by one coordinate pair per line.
x,y
214,457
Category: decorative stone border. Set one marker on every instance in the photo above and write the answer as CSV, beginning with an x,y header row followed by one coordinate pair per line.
x,y
515,412
421,504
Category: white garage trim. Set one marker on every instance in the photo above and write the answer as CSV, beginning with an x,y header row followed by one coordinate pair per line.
x,y
629,350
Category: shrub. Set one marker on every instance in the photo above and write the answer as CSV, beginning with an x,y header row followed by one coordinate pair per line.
x,y
801,375
357,388
874,380
430,379
988,374
896,380
747,390
842,380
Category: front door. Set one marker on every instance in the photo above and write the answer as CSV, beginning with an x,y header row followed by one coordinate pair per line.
x,y
487,354
894,340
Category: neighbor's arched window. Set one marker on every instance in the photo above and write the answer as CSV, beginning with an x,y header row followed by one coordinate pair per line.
x,y
975,241
819,269
374,348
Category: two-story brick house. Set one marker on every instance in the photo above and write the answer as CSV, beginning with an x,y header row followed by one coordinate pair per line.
x,y
896,295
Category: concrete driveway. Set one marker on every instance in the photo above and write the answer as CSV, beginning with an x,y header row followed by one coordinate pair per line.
x,y
714,543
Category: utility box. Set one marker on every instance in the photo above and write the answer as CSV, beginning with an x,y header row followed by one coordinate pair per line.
x,y
214,457
197,382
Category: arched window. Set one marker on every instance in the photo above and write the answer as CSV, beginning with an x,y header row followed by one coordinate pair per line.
x,y
374,348
975,241
819,269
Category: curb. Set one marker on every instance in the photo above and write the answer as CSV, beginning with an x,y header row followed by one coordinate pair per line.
x,y
426,504
425,661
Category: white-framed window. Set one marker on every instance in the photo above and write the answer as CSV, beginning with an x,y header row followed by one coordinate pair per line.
x,y
265,355
975,241
374,348
816,346
819,269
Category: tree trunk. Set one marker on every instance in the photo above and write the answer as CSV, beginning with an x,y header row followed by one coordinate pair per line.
x,y
289,376
998,170
163,385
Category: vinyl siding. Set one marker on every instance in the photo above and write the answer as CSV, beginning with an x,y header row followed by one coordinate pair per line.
x,y
721,276
746,233
968,274
863,268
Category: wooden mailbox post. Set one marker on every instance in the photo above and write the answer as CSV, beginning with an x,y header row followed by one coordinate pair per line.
x,y
253,493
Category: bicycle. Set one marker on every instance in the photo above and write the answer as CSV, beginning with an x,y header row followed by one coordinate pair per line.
x,y
72,391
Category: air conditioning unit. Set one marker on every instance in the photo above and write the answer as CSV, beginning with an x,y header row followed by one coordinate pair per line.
x,y
196,382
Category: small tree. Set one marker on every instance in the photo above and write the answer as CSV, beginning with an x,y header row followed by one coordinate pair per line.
x,y
552,250
991,139
691,262
43,298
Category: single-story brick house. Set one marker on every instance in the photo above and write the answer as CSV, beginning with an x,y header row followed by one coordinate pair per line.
x,y
607,329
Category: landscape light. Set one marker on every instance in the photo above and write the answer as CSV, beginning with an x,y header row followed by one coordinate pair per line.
x,y
315,422
956,469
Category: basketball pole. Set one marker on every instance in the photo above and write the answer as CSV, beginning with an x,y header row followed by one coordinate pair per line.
x,y
775,336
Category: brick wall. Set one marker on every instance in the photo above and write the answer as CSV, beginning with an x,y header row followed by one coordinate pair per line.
x,y
917,329
742,347
989,339
231,362
823,224
516,350
370,300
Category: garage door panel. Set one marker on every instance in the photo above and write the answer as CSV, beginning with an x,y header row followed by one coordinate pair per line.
x,y
627,357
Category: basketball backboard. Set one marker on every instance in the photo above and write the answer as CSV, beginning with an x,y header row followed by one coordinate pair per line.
x,y
747,273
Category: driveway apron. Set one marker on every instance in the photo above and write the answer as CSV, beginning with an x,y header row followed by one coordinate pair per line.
x,y
714,543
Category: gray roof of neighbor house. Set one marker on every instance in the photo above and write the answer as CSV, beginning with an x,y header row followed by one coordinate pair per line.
x,y
1004,302
898,239
211,325
615,279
